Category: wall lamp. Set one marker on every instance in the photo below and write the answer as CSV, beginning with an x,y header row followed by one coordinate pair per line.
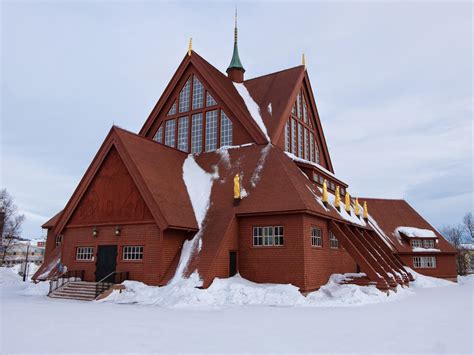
x,y
117,230
95,232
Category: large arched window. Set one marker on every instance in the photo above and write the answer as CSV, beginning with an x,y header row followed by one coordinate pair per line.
x,y
195,122
300,133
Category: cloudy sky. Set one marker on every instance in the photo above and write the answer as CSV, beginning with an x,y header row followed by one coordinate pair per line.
x,y
392,81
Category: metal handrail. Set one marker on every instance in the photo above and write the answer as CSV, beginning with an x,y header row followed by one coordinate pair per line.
x,y
64,278
102,286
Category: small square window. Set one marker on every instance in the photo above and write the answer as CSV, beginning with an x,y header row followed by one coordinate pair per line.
x,y
316,237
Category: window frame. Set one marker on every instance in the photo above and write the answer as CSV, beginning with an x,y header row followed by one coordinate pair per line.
x,y
89,252
267,239
424,262
140,251
315,238
333,241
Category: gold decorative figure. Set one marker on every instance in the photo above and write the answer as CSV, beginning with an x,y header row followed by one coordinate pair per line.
x,y
337,199
237,189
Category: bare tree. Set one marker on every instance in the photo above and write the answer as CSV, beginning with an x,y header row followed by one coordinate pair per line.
x,y
10,222
454,235
468,222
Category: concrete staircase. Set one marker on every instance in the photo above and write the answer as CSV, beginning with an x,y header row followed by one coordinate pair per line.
x,y
76,290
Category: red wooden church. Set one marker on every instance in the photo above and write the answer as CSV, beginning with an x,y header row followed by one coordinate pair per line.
x,y
232,175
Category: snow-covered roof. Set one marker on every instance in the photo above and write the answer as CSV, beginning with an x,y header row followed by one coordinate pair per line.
x,y
412,232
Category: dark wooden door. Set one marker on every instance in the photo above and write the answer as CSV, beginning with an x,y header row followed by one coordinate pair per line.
x,y
106,262
232,263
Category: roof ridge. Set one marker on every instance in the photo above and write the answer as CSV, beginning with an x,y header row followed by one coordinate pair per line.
x,y
274,73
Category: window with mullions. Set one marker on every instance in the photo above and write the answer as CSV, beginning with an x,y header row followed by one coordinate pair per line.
x,y
184,97
294,139
316,237
196,133
416,243
268,236
428,262
306,144
211,130
170,133
133,253
210,100
300,140
85,253
159,135
59,239
303,135
287,136
333,242
428,243
226,130
172,110
198,94
183,133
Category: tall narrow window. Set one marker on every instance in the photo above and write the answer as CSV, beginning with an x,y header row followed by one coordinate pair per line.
x,y
298,105
300,140
316,237
159,135
306,144
305,110
211,130
226,130
198,94
294,136
287,136
184,97
333,242
317,153
183,134
210,100
196,133
311,147
170,138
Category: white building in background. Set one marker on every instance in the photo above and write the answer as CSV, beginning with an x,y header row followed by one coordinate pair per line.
x,y
17,253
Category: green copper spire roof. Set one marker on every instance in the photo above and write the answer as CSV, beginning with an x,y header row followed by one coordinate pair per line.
x,y
235,62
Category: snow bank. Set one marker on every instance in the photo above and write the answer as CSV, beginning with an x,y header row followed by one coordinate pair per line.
x,y
419,249
261,162
199,184
252,107
423,281
412,232
237,291
320,167
10,278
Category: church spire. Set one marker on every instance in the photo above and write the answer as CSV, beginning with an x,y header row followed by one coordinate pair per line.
x,y
236,70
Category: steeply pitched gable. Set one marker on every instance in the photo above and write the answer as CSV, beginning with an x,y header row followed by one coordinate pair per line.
x,y
156,171
221,88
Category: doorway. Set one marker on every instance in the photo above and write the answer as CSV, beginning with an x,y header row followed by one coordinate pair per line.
x,y
232,263
106,262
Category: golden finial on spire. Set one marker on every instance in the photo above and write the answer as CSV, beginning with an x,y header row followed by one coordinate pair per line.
x,y
303,60
356,208
190,46
325,192
337,199
366,211
348,202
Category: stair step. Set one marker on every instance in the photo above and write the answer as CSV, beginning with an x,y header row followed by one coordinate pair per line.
x,y
75,297
78,290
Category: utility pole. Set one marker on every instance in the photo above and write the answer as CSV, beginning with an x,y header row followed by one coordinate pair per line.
x,y
26,262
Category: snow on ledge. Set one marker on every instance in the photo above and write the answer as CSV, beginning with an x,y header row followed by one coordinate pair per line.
x,y
320,167
252,107
412,232
418,249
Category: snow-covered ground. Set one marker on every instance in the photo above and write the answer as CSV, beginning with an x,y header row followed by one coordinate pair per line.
x,y
237,316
